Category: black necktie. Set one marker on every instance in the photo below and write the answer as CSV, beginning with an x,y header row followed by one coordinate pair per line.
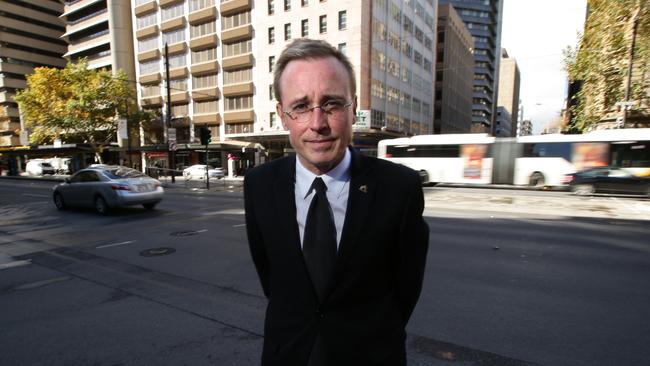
x,y
319,243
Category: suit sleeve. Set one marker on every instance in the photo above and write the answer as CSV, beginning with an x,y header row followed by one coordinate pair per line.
x,y
255,239
413,247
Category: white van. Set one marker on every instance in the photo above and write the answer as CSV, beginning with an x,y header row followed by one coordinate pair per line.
x,y
39,167
60,165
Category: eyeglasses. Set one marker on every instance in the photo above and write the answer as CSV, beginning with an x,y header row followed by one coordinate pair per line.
x,y
333,109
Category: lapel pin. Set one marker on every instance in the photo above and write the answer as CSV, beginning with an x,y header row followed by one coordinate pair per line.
x,y
364,188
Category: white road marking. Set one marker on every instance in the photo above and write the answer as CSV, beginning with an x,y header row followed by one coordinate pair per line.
x,y
15,264
35,195
115,244
240,225
201,231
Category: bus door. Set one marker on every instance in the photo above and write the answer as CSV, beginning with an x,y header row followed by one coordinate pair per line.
x,y
504,153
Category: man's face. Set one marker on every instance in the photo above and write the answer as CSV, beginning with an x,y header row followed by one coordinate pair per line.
x,y
320,142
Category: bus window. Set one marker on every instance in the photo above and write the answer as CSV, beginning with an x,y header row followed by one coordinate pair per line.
x,y
633,154
548,150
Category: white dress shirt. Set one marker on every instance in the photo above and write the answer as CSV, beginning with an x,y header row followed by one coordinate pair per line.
x,y
337,181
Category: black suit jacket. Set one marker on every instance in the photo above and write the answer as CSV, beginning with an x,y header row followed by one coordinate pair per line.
x,y
379,270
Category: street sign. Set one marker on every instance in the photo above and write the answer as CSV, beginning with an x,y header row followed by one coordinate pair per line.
x,y
172,145
171,134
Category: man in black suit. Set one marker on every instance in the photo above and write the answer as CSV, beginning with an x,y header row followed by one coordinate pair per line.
x,y
337,238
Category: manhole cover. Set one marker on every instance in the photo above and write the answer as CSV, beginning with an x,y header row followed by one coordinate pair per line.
x,y
184,233
154,252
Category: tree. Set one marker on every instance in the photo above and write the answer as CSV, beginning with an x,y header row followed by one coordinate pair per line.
x,y
75,104
602,57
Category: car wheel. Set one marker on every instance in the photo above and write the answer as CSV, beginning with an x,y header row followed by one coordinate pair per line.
x,y
149,206
100,205
58,201
583,189
536,179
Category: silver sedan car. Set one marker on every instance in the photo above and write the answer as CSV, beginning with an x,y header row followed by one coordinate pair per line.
x,y
106,186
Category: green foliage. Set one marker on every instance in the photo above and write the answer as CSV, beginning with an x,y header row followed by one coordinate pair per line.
x,y
600,60
75,104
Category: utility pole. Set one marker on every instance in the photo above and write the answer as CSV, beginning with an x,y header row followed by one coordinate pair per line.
x,y
170,151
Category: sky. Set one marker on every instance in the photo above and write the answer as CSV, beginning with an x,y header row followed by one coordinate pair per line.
x,y
535,32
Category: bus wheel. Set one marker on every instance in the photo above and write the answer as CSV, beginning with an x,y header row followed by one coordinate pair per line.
x,y
536,179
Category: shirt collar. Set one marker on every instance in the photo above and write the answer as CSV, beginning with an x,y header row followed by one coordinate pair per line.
x,y
335,179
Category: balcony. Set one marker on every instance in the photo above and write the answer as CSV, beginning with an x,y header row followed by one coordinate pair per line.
x,y
178,73
155,101
149,55
70,8
237,34
180,97
175,48
150,78
203,94
234,90
172,24
145,8
203,68
208,41
236,62
235,6
85,46
164,3
147,32
203,15
213,119
239,116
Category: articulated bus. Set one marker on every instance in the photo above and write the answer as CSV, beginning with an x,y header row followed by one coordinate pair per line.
x,y
542,160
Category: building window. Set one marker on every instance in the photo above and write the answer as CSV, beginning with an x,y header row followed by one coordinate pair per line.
x,y
237,103
270,91
177,61
172,12
206,81
200,30
271,63
146,20
287,31
322,21
206,107
304,27
304,2
343,48
271,35
272,121
147,44
287,5
271,7
204,55
343,20
174,36
200,4
149,67
236,20
237,76
236,49
150,90
239,128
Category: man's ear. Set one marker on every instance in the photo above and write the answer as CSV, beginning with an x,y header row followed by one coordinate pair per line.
x,y
278,111
354,109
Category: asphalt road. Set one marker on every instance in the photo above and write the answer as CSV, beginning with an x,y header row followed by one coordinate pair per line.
x,y
513,278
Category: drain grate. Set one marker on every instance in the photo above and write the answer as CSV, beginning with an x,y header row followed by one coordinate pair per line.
x,y
155,252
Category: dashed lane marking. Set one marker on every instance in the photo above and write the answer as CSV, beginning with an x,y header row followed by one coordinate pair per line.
x,y
115,244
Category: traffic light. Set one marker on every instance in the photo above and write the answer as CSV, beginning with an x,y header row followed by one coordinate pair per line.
x,y
206,135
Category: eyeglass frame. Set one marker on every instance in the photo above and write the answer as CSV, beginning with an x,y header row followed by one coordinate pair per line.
x,y
310,111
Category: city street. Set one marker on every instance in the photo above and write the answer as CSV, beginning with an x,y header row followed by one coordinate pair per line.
x,y
514,277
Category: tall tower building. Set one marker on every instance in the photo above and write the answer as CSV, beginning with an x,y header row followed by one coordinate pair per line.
x,y
454,74
222,54
29,37
509,82
483,19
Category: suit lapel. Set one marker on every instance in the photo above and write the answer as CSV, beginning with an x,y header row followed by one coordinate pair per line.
x,y
360,198
285,204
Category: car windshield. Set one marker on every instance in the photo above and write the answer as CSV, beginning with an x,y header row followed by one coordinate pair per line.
x,y
123,172
46,165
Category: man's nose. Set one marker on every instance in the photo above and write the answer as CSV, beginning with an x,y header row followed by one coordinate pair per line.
x,y
318,119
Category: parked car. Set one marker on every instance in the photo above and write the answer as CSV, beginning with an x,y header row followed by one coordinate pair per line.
x,y
107,186
608,180
198,172
39,167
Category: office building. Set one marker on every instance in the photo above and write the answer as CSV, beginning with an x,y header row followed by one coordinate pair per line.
x,y
525,128
503,123
222,54
483,19
509,82
454,74
29,37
